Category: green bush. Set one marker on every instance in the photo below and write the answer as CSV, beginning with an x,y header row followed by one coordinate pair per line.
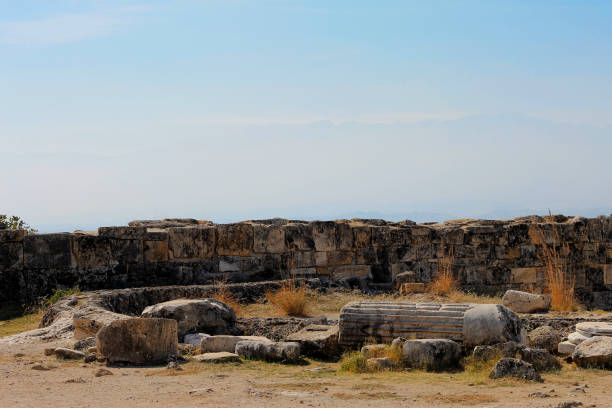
x,y
14,223
59,294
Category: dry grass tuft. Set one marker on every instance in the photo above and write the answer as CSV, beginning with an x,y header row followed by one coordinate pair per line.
x,y
223,294
291,299
444,283
558,284
14,319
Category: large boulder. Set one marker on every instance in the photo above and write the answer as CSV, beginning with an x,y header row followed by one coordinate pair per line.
x,y
490,324
208,316
317,340
431,354
138,340
577,338
513,367
594,352
261,350
217,344
541,359
524,302
566,348
594,328
544,337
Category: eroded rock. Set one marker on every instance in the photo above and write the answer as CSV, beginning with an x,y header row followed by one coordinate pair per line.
x,y
513,367
260,350
594,352
431,354
544,337
525,302
220,357
317,340
216,344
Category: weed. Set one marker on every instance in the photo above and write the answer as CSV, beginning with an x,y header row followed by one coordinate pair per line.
x,y
223,294
444,283
291,299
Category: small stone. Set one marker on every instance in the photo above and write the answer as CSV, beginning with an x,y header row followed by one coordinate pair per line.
x,y
220,357
539,394
568,404
102,372
69,354
566,348
544,337
75,381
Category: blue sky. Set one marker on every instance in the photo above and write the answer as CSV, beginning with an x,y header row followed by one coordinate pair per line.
x,y
228,110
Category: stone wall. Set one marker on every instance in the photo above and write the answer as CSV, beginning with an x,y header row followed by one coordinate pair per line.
x,y
489,256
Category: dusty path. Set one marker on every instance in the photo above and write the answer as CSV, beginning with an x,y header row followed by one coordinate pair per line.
x,y
257,384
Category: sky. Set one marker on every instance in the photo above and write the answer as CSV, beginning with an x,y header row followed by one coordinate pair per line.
x,y
241,109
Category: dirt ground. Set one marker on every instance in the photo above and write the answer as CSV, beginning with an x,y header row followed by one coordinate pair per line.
x,y
260,384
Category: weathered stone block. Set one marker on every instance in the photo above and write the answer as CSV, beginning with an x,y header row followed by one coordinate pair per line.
x,y
362,236
251,264
317,340
303,259
351,271
235,239
191,243
126,250
366,256
228,264
8,235
299,237
320,258
304,272
156,251
123,232
344,237
48,250
607,274
337,258
269,239
381,236
324,235
11,255
91,250
524,275
156,234
451,236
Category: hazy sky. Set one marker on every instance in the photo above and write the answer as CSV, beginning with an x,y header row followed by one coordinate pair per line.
x,y
230,110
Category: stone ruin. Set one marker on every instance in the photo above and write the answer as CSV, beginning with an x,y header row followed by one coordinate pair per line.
x,y
489,256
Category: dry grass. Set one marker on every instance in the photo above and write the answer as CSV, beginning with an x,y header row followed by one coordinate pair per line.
x,y
13,319
558,284
444,283
223,294
356,362
291,299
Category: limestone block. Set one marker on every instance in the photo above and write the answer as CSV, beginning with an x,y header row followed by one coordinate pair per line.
x,y
91,250
228,264
251,264
337,258
320,258
381,236
69,354
48,250
431,354
195,338
524,302
524,275
11,255
324,235
156,234
235,239
323,271
566,348
490,324
227,343
191,243
8,235
303,259
87,322
366,256
416,287
317,340
577,338
607,273
269,239
155,251
299,237
351,271
594,352
594,328
123,232
220,357
362,236
260,350
513,367
138,340
344,237
195,315
126,250
451,236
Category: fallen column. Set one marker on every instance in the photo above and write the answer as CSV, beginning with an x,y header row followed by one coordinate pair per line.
x,y
470,324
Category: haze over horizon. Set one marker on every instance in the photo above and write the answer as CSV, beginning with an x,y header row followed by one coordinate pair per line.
x,y
112,111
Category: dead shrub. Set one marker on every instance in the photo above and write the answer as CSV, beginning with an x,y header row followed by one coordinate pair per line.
x,y
291,299
558,284
444,283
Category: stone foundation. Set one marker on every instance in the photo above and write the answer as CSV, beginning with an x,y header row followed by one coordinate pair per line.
x,y
489,256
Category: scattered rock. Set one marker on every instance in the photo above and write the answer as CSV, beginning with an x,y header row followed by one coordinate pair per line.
x,y
317,340
40,367
138,340
85,343
195,338
102,372
577,338
215,344
220,357
544,337
75,381
594,352
261,350
524,302
195,315
513,367
539,394
69,354
201,391
382,363
566,348
541,359
431,354
568,404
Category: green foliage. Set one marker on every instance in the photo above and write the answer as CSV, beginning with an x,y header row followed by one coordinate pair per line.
x,y
59,294
14,223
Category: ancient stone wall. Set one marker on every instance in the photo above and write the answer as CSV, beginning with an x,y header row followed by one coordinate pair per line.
x,y
489,256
